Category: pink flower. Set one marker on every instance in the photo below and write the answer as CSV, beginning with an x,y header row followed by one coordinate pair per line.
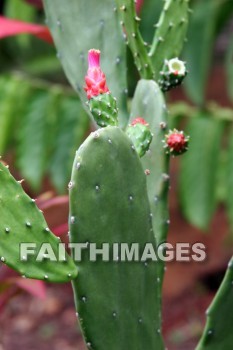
x,y
95,78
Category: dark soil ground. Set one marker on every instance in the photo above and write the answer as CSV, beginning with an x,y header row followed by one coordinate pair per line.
x,y
28,323
32,324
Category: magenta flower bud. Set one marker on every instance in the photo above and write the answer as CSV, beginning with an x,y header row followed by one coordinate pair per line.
x,y
95,78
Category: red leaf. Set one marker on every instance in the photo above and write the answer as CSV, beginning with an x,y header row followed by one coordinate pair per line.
x,y
139,4
36,3
34,287
50,202
9,278
11,27
60,230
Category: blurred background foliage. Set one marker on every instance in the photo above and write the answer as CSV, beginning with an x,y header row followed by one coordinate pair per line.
x,y
42,121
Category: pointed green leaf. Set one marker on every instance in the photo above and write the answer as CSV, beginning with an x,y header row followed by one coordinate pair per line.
x,y
229,69
12,92
199,170
72,125
198,50
34,136
229,179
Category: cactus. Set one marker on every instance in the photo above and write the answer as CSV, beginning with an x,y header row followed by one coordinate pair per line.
x,y
218,330
149,103
104,110
116,301
130,22
140,135
101,102
170,33
172,74
22,222
168,38
77,27
114,196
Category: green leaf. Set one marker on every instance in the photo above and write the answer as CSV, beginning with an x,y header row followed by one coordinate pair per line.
x,y
198,50
72,126
229,179
20,10
229,69
150,12
221,188
34,136
199,170
224,14
11,97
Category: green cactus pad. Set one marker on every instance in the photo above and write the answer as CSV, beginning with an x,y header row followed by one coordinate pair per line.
x,y
140,136
170,33
104,109
130,23
149,104
77,27
116,301
22,222
218,330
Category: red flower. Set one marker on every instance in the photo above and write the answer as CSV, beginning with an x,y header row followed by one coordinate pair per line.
x,y
95,78
176,142
139,120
